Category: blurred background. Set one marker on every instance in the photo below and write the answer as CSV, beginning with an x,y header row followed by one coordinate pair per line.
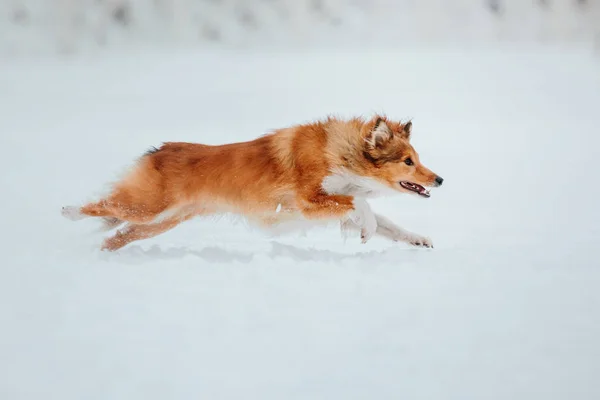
x,y
75,26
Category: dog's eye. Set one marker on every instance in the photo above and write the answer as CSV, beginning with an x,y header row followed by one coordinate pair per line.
x,y
408,161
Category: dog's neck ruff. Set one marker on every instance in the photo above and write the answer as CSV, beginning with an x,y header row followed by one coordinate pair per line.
x,y
348,183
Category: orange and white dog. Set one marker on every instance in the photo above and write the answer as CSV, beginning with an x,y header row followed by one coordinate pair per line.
x,y
322,171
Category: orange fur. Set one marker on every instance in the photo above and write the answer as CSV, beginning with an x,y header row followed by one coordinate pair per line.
x,y
275,177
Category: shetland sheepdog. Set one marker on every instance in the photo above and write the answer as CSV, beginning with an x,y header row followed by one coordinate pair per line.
x,y
320,171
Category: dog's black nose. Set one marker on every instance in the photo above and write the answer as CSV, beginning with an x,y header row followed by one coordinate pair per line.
x,y
439,180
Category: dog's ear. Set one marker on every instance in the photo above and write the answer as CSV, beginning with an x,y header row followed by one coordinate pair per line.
x,y
406,130
379,135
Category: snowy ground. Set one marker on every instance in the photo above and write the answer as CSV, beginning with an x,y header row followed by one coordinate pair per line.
x,y
506,306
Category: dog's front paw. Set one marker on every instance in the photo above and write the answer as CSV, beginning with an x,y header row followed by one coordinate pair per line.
x,y
364,218
421,241
368,229
416,240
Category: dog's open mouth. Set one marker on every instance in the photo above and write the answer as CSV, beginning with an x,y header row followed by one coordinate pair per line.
x,y
413,187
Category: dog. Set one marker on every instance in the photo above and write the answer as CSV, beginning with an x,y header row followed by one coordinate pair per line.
x,y
321,171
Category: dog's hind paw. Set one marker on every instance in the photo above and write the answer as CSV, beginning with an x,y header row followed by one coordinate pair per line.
x,y
72,213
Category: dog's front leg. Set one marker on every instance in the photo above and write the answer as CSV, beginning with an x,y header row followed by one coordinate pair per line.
x,y
388,229
364,218
354,209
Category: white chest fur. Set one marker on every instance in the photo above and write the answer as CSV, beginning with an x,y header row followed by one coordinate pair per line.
x,y
348,183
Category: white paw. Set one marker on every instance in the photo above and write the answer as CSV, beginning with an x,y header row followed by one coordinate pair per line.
x,y
72,213
368,230
364,218
416,240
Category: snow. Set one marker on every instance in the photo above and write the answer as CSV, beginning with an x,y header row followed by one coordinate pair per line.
x,y
505,307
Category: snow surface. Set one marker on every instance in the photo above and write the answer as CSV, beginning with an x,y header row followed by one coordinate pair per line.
x,y
505,307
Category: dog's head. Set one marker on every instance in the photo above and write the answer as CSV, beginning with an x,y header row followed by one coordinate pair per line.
x,y
392,160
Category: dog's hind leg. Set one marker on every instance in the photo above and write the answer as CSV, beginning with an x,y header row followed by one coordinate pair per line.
x,y
100,209
73,213
114,212
133,232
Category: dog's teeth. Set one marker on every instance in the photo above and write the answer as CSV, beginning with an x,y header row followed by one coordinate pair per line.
x,y
278,209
